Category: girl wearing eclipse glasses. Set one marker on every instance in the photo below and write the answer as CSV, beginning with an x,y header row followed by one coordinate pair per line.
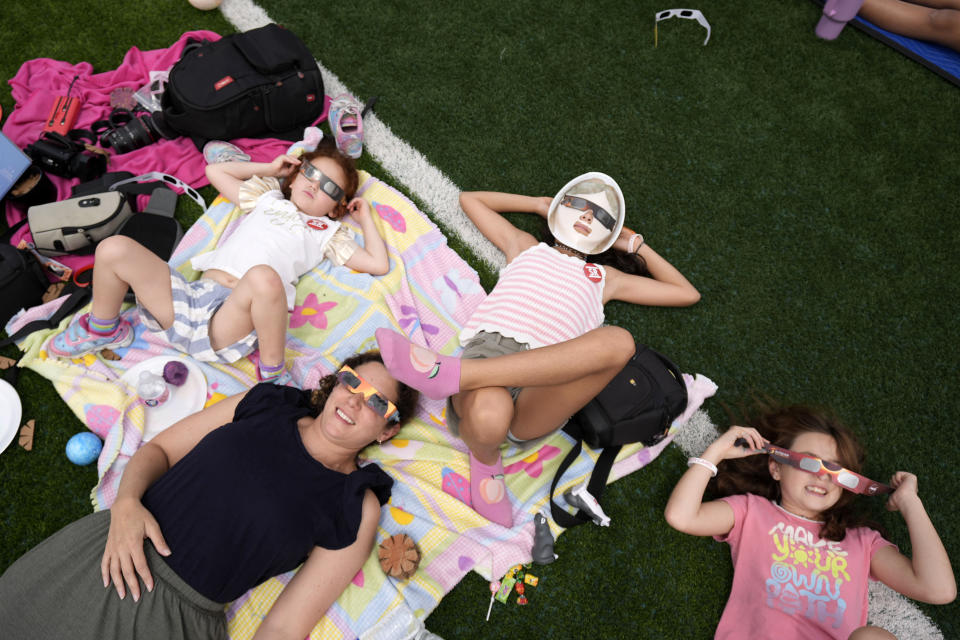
x,y
802,557
536,351
247,285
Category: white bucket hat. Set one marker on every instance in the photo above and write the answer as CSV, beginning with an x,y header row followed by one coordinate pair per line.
x,y
601,195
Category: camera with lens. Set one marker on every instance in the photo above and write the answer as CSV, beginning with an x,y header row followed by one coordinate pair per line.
x,y
68,157
127,131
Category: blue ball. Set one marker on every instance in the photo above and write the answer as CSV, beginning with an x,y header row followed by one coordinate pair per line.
x,y
83,448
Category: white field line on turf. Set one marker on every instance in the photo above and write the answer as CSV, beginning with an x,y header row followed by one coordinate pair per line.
x,y
423,180
888,609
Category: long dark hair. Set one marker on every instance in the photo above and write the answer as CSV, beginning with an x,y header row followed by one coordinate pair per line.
x,y
406,396
327,149
626,262
781,425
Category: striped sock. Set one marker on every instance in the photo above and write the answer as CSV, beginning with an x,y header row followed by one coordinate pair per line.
x,y
102,327
269,373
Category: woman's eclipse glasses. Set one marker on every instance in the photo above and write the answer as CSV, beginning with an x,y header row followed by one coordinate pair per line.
x,y
843,478
689,14
326,185
374,399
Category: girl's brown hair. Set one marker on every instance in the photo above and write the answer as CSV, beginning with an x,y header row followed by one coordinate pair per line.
x,y
781,426
406,396
327,149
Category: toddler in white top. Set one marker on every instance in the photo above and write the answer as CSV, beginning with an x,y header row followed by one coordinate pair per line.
x,y
247,288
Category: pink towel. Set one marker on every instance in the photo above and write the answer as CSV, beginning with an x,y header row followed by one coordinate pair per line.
x,y
39,81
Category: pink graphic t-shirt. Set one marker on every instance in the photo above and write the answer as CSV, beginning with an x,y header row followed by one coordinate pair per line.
x,y
790,584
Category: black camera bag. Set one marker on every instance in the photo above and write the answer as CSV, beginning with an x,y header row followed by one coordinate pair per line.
x,y
67,157
638,405
264,82
22,281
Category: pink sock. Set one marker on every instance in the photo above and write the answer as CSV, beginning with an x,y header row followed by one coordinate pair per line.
x,y
488,491
434,375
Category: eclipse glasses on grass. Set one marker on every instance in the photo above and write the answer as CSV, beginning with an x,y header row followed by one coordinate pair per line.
x,y
843,478
374,399
688,14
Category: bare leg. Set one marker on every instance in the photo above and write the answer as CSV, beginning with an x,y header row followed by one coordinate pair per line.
x,y
121,264
932,20
258,303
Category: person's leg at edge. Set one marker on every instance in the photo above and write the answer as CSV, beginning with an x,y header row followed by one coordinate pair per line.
x,y
258,303
872,633
932,20
121,264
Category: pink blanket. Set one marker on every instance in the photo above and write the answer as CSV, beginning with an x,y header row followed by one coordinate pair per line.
x,y
39,81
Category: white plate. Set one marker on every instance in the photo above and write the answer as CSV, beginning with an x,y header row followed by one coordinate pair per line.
x,y
10,413
183,400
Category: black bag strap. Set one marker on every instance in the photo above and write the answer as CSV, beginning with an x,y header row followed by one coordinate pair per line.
x,y
596,485
76,300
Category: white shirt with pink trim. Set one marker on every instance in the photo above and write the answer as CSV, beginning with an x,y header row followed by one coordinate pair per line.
x,y
542,297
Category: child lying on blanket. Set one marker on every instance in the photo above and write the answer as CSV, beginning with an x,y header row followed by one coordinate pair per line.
x,y
225,508
247,287
546,295
801,555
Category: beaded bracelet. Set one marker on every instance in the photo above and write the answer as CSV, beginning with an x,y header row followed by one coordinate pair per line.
x,y
703,463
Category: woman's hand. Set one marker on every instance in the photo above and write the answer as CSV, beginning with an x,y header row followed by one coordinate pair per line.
x,y
360,209
123,557
725,447
283,165
905,489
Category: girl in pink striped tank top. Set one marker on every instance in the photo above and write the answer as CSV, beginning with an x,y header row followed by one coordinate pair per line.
x,y
536,350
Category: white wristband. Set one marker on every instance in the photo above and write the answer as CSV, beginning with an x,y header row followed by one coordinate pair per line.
x,y
703,463
633,238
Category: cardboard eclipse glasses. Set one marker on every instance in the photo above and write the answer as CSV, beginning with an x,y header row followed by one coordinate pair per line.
x,y
374,399
843,478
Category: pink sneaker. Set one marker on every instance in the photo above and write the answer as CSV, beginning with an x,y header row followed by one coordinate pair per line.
x,y
346,123
77,339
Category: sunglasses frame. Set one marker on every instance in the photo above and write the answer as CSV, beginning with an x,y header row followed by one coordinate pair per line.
x,y
694,14
600,214
864,486
392,414
328,186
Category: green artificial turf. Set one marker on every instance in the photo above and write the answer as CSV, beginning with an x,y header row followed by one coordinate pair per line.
x,y
808,189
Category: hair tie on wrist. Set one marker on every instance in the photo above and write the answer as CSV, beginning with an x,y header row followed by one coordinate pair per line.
x,y
630,247
703,463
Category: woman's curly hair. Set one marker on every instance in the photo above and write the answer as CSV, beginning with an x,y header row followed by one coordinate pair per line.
x,y
327,149
406,396
781,425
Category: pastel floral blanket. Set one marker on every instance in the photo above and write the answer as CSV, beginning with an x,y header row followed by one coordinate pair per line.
x,y
428,294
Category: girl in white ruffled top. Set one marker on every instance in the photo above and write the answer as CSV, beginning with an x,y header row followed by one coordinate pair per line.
x,y
247,287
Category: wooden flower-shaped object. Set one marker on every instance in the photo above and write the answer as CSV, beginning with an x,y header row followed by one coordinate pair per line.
x,y
399,556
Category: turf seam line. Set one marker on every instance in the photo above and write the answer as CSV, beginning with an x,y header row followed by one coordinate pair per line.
x,y
440,195
423,180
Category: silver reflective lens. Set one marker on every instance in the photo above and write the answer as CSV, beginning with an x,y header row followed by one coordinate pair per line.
x,y
809,464
847,480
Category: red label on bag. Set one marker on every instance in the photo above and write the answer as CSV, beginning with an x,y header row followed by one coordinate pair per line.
x,y
311,97
592,272
222,82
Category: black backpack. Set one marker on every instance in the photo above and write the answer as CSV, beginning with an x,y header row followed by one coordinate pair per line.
x,y
262,82
22,281
638,405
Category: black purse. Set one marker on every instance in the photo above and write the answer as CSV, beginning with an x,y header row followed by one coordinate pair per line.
x,y
638,405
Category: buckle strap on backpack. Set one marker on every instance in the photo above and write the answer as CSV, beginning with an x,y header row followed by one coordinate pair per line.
x,y
596,485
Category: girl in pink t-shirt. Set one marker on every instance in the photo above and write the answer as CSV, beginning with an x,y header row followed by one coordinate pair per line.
x,y
802,557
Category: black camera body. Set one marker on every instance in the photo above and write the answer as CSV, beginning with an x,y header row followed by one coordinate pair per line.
x,y
66,157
